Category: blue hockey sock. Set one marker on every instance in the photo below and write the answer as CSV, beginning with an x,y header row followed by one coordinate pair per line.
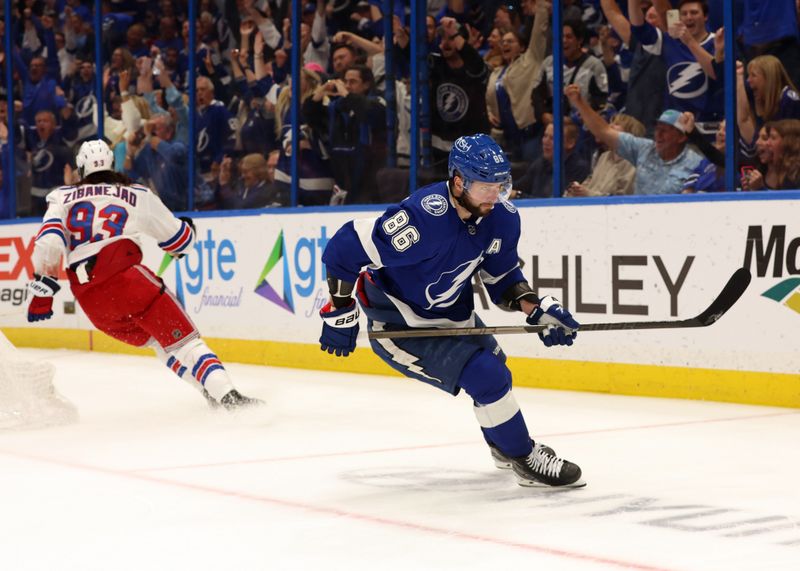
x,y
488,381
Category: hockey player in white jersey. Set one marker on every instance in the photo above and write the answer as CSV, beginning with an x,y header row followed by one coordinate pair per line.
x,y
98,224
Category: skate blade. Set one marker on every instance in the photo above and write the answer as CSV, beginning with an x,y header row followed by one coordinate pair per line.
x,y
528,483
502,464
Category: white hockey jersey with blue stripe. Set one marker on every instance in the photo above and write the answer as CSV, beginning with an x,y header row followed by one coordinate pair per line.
x,y
83,219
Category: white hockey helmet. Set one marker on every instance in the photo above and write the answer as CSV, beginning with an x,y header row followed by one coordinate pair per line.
x,y
94,156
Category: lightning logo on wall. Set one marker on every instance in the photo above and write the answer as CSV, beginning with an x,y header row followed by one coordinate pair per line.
x,y
263,287
786,293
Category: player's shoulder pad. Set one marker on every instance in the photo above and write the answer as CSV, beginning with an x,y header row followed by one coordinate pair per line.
x,y
139,187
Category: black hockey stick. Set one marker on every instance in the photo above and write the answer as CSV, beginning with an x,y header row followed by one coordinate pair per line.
x,y
732,291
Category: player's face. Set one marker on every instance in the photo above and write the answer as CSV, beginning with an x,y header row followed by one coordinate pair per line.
x,y
482,196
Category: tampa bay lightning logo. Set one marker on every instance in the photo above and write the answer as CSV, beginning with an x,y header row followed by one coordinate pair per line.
x,y
202,140
687,80
452,102
42,160
434,204
444,292
508,206
85,106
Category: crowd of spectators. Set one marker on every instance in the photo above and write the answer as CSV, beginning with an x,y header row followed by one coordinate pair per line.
x,y
642,96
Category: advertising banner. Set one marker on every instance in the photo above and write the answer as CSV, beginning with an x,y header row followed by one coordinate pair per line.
x,y
260,277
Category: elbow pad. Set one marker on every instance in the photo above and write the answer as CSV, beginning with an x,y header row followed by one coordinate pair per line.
x,y
516,293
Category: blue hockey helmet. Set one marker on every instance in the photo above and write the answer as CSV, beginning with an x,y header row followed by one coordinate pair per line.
x,y
479,158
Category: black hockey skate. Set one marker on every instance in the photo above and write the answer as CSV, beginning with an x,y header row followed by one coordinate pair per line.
x,y
234,400
543,468
504,462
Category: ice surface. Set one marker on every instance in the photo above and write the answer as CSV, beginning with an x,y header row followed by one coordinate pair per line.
x,y
361,472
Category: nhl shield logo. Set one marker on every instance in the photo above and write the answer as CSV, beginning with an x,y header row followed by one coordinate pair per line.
x,y
434,204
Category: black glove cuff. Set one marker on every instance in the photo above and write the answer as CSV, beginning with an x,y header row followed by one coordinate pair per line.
x,y
341,292
516,293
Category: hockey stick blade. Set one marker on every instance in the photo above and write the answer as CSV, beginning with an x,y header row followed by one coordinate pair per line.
x,y
730,294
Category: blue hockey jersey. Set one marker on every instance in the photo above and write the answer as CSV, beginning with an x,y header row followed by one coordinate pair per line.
x,y
688,87
422,255
213,134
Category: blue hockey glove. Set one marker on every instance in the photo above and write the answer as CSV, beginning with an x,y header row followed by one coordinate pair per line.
x,y
339,329
42,288
562,327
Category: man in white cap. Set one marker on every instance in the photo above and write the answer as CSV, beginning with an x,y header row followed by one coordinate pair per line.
x,y
662,163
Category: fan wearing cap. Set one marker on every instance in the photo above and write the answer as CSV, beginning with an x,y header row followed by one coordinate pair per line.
x,y
662,164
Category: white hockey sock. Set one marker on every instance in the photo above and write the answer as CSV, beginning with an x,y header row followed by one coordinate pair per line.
x,y
499,412
198,365
174,365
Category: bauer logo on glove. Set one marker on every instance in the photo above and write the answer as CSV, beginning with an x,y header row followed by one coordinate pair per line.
x,y
347,320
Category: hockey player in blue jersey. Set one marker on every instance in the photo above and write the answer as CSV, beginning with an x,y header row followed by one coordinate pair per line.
x,y
420,257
